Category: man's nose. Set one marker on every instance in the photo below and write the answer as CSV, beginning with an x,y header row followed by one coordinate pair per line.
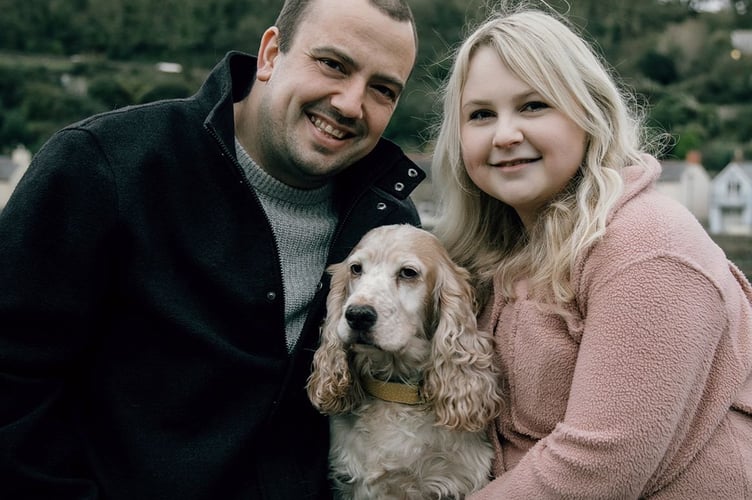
x,y
348,100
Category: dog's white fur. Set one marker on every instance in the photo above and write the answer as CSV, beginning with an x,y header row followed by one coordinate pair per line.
x,y
411,320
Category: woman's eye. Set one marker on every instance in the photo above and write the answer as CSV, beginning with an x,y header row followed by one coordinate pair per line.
x,y
535,106
408,273
356,269
481,114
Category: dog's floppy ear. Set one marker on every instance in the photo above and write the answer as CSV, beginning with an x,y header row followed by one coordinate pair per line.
x,y
461,382
332,387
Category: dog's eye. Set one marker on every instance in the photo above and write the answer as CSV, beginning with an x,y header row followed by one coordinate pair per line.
x,y
356,269
408,273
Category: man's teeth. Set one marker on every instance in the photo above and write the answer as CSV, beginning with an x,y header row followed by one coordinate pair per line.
x,y
325,127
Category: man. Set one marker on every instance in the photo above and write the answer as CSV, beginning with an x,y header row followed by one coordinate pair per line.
x,y
161,276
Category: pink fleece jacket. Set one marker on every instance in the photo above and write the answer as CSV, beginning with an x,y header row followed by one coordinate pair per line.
x,y
646,390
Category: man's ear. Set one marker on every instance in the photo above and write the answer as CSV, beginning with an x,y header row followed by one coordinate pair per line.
x,y
267,55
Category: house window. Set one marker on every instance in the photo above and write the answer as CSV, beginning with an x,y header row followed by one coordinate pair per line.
x,y
734,188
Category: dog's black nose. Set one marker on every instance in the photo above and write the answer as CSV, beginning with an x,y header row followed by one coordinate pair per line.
x,y
361,318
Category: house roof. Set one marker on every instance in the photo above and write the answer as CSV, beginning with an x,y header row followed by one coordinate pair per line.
x,y
747,168
744,166
7,167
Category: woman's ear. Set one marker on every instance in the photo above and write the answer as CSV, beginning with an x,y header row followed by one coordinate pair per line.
x,y
267,54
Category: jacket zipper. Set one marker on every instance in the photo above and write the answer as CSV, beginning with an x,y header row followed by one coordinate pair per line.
x,y
244,180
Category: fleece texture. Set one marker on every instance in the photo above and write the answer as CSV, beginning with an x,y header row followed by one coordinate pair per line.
x,y
643,387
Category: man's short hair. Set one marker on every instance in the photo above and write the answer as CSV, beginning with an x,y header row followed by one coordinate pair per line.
x,y
293,13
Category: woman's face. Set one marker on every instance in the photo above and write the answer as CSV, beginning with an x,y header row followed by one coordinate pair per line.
x,y
515,146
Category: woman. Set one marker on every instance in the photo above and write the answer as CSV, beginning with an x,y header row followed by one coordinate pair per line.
x,y
623,334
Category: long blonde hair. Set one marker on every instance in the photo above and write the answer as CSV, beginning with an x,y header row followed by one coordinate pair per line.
x,y
486,235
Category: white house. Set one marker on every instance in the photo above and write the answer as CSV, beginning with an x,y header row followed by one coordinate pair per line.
x,y
688,183
731,200
11,170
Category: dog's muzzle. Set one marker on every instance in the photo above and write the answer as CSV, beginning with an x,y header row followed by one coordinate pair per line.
x,y
361,318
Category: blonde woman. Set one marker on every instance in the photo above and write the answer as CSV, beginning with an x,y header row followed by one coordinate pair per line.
x,y
623,334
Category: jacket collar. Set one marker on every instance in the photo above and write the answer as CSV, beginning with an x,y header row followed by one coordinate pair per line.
x,y
229,82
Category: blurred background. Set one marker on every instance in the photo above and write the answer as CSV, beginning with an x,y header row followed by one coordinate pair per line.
x,y
689,61
61,60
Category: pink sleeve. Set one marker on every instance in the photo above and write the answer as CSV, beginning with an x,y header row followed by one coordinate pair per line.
x,y
649,340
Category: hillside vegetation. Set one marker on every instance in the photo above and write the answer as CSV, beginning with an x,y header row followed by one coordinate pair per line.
x,y
61,60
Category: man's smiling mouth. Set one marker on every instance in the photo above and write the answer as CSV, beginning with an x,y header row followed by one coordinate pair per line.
x,y
327,128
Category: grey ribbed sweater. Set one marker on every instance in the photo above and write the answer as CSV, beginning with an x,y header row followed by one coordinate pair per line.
x,y
303,222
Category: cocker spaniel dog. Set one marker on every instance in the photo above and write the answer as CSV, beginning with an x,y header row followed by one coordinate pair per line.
x,y
404,373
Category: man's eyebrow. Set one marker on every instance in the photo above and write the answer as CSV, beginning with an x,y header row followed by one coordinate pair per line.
x,y
349,61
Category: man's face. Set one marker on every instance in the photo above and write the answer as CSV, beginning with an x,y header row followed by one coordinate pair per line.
x,y
324,104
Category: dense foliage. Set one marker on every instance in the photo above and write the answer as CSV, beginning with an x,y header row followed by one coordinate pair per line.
x,y
61,60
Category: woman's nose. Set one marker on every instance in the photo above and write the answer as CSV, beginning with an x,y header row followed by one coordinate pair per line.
x,y
507,133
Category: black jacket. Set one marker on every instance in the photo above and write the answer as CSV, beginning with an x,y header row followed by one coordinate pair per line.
x,y
142,344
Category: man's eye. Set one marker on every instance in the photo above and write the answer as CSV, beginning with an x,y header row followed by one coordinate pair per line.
x,y
335,65
386,92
